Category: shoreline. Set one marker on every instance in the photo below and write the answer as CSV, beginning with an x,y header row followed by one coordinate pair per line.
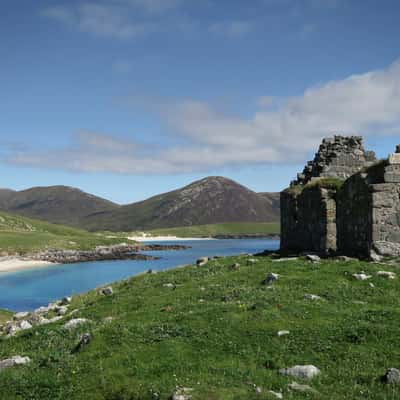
x,y
165,239
15,264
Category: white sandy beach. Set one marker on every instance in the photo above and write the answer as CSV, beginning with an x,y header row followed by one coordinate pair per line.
x,y
164,239
12,264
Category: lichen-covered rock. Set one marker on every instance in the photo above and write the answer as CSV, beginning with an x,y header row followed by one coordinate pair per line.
x,y
271,278
107,291
386,274
202,261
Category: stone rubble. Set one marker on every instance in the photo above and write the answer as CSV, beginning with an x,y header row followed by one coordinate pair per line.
x,y
361,276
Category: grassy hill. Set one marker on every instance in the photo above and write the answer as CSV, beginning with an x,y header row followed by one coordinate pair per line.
x,y
55,204
20,235
210,200
233,228
216,332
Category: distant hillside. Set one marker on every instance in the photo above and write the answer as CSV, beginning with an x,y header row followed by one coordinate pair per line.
x,y
57,204
274,200
211,200
19,234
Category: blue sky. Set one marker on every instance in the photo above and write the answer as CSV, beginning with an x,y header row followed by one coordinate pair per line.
x,y
130,98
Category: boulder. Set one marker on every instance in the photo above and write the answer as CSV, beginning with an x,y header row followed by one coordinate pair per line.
x,y
312,297
386,274
182,394
76,322
11,362
283,333
392,376
361,276
107,291
65,301
277,395
84,340
313,258
202,261
271,278
301,371
20,315
25,325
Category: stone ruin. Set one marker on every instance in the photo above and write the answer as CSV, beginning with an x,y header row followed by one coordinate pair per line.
x,y
344,202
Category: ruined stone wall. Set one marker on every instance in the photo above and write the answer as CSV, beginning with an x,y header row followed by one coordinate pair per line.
x,y
354,217
368,216
308,211
337,157
309,220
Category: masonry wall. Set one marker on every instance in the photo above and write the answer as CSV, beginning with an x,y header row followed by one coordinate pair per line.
x,y
354,217
308,220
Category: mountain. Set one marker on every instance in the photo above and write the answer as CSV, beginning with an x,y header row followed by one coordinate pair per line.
x,y
208,201
273,199
56,204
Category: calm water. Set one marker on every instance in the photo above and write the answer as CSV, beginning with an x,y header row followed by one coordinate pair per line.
x,y
26,290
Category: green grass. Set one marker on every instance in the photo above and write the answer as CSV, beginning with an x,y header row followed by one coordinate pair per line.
x,y
325,183
5,316
217,333
234,228
22,235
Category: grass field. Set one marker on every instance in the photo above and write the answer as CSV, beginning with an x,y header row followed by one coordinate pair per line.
x,y
216,332
234,228
21,235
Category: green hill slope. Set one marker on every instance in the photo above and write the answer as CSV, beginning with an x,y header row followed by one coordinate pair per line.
x,y
232,228
215,331
21,235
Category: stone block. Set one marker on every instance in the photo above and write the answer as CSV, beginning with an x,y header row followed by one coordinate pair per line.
x,y
394,158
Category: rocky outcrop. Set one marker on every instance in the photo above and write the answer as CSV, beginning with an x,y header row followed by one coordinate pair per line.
x,y
102,253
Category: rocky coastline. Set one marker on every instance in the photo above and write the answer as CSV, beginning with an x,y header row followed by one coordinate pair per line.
x,y
102,253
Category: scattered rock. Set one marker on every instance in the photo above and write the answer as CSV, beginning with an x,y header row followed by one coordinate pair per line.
x,y
301,371
301,388
386,274
371,284
258,390
74,323
313,258
151,271
312,297
20,315
182,394
61,310
345,258
202,261
271,278
170,285
108,320
65,301
361,276
284,259
374,257
11,362
107,291
251,261
277,395
25,325
84,340
235,266
283,333
392,376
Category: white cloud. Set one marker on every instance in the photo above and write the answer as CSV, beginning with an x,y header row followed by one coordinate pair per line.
x,y
360,104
